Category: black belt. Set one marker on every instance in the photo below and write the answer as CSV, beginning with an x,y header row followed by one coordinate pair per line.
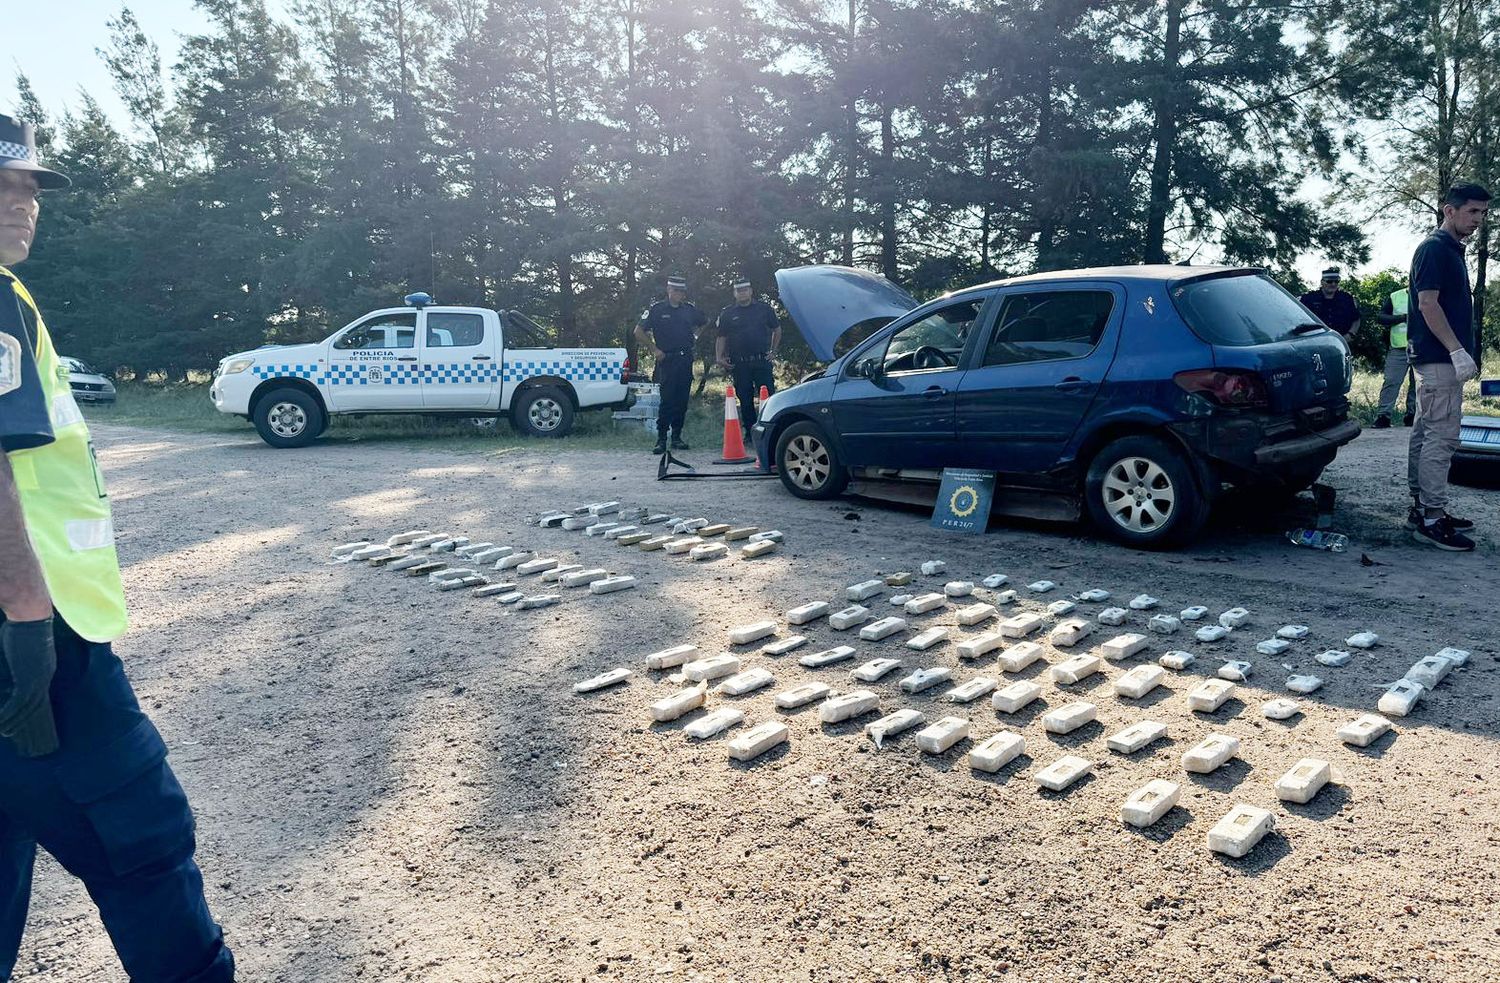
x,y
677,353
750,359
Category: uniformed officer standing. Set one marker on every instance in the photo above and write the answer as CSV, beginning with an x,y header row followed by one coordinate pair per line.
x,y
670,326
1334,306
749,334
83,772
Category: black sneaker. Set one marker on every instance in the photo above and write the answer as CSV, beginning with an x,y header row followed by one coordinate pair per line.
x,y
1407,419
1414,519
661,446
1442,535
678,444
1382,422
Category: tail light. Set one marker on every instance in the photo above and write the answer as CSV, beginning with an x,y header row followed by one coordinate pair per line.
x,y
1224,387
625,370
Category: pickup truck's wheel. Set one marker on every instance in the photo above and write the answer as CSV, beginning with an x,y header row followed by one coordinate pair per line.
x,y
1140,491
808,464
543,412
288,418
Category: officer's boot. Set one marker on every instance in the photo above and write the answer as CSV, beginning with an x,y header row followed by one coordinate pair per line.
x,y
661,444
678,444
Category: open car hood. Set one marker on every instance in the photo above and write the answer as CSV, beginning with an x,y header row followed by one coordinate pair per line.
x,y
826,301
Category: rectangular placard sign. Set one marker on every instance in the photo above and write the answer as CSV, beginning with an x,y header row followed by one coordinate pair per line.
x,y
963,502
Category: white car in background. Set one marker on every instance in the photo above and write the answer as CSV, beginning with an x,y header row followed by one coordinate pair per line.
x,y
421,359
88,383
1479,436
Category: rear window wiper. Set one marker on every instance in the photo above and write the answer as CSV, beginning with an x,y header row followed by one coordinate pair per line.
x,y
1307,326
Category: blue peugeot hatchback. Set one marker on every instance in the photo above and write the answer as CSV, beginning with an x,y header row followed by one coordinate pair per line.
x,y
1131,394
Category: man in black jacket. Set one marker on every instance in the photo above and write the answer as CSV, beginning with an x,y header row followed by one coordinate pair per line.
x,y
749,334
1334,307
670,326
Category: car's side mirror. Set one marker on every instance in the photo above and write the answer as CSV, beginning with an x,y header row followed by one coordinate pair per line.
x,y
867,368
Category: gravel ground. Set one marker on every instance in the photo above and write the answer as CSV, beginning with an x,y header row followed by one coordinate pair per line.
x,y
397,784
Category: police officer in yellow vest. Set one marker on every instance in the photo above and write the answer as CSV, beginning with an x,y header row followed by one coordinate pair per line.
x,y
1397,365
83,773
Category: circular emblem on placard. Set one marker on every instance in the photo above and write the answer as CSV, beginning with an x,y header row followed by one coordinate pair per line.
x,y
964,501
374,374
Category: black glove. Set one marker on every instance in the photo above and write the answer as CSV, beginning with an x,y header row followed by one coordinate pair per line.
x,y
27,664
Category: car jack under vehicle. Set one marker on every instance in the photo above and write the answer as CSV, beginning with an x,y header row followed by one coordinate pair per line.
x,y
668,461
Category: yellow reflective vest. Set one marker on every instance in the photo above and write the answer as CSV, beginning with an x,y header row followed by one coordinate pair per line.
x,y
65,506
1399,305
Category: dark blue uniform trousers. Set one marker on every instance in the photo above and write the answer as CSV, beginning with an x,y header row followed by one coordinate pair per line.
x,y
674,373
108,807
749,375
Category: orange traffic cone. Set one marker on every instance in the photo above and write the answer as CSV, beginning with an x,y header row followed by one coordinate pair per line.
x,y
734,441
765,394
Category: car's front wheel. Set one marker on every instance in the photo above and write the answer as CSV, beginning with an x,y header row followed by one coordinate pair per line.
x,y
1140,490
288,418
808,464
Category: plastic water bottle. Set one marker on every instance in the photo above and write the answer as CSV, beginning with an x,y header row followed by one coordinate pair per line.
x,y
1319,539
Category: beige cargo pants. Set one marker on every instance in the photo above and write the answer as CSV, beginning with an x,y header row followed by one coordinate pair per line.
x,y
1434,435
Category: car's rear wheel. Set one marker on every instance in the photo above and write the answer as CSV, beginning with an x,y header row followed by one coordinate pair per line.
x,y
1140,490
543,412
808,463
288,418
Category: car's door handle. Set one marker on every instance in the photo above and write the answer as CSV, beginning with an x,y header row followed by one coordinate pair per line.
x,y
407,358
482,358
1073,384
933,392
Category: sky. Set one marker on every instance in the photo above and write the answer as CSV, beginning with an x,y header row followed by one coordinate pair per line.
x,y
58,54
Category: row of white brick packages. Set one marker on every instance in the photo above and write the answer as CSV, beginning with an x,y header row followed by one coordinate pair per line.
x,y
420,552
1235,834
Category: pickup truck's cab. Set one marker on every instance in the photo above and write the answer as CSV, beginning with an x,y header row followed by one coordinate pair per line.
x,y
462,361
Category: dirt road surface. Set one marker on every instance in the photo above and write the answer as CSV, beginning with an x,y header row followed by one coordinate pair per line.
x,y
397,784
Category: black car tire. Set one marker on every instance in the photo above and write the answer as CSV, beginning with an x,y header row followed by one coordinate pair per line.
x,y
808,464
1140,491
544,411
288,418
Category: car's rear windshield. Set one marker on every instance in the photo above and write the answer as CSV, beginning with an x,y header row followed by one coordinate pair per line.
x,y
1241,310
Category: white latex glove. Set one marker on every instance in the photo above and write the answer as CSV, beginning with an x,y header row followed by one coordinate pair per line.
x,y
1463,364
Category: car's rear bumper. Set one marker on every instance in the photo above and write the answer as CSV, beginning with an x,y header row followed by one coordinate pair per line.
x,y
1254,448
1315,444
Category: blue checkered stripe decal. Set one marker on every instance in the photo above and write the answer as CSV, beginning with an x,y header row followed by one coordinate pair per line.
x,y
461,372
441,373
580,370
283,371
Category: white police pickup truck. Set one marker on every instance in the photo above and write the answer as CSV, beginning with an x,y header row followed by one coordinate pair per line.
x,y
457,361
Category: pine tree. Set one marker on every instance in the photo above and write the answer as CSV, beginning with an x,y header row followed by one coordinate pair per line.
x,y
1226,94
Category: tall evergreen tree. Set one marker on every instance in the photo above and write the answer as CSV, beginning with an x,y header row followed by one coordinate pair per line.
x,y
1226,92
561,157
